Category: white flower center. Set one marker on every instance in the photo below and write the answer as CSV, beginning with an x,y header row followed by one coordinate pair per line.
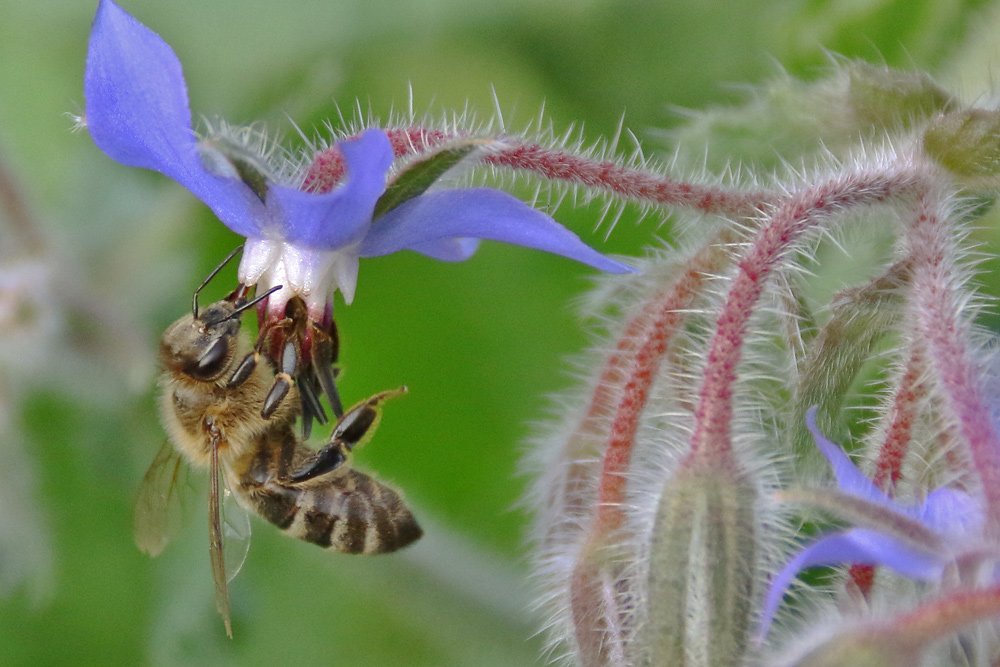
x,y
311,274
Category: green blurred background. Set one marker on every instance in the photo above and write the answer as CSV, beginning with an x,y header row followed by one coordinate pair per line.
x,y
104,257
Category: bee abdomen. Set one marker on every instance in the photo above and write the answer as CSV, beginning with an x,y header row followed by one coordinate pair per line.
x,y
356,515
348,511
277,504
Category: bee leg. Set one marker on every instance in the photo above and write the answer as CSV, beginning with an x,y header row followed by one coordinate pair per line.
x,y
311,407
325,347
352,429
353,426
244,370
328,459
327,375
360,421
282,382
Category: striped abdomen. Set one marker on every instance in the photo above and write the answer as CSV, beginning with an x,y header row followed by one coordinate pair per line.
x,y
345,510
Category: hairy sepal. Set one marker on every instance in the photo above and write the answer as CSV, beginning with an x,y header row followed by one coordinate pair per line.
x,y
698,605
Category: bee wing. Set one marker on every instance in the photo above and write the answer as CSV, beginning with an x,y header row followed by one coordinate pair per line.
x,y
159,507
235,531
215,537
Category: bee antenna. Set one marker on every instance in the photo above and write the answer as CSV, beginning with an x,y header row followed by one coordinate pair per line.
x,y
215,271
253,302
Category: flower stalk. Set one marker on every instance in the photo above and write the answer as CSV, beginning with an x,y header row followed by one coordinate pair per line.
x,y
666,519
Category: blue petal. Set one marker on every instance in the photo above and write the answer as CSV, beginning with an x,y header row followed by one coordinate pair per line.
x,y
338,218
857,547
480,213
945,511
849,478
137,113
952,514
448,250
137,108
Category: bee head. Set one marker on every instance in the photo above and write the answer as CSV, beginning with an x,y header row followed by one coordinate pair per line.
x,y
201,344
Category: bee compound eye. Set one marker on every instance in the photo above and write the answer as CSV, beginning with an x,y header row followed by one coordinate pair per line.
x,y
211,361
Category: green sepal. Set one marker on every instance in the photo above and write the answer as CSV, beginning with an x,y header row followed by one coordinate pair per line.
x,y
794,119
861,318
422,174
894,99
248,166
860,648
254,178
702,569
966,143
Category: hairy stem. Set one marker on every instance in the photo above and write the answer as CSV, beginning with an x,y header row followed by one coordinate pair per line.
x,y
889,464
943,617
655,339
939,313
624,389
613,177
905,405
807,209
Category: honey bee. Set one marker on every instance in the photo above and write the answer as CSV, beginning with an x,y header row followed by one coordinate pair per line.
x,y
214,394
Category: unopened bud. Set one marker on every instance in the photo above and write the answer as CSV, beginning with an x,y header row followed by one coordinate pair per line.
x,y
966,143
702,564
890,98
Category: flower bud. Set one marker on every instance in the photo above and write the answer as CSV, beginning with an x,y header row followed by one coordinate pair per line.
x,y
966,143
891,98
698,605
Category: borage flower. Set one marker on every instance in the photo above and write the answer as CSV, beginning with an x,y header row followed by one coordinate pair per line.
x,y
920,542
310,243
